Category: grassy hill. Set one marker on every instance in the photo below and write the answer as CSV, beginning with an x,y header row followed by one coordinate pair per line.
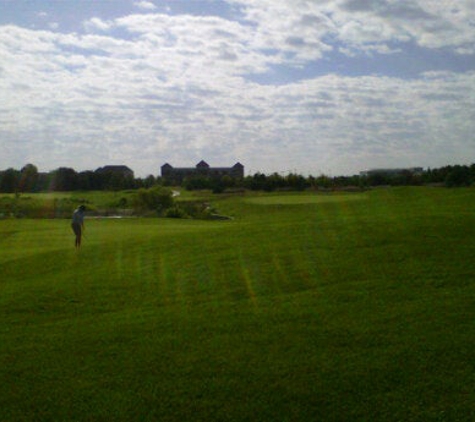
x,y
329,307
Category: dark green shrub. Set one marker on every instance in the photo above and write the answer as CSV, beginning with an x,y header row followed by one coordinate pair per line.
x,y
176,212
158,199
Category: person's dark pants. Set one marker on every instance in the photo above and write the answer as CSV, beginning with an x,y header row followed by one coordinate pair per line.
x,y
77,231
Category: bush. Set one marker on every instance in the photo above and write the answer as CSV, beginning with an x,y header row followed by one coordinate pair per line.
x,y
176,212
158,199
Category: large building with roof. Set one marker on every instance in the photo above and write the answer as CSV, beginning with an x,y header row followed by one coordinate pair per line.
x,y
202,169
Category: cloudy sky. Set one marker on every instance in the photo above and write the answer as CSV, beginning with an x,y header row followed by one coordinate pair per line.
x,y
309,86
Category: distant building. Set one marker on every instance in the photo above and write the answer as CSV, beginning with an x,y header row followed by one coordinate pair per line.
x,y
202,169
393,172
122,171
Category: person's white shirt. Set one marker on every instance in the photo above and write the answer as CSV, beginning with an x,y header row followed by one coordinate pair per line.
x,y
78,216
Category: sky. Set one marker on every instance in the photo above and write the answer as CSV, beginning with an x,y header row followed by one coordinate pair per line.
x,y
315,87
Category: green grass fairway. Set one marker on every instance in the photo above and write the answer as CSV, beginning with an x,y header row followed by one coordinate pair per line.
x,y
308,198
359,307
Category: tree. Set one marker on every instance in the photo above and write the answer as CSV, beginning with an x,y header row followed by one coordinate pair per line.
x,y
321,181
275,181
9,180
296,181
28,178
149,181
256,182
87,180
197,183
458,176
64,179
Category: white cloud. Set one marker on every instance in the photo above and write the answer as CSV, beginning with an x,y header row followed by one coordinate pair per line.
x,y
202,46
296,29
145,5
361,23
95,23
174,88
427,23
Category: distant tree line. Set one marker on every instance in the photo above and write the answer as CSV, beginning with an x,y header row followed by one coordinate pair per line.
x,y
29,179
450,176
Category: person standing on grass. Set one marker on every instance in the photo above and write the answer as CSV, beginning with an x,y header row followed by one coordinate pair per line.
x,y
78,224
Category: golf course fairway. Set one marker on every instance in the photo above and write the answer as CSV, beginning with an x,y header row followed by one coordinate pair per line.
x,y
302,307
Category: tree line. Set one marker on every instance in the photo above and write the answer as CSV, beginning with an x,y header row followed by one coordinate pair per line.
x,y
450,176
29,179
64,179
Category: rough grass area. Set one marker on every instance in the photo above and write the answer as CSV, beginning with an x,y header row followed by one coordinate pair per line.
x,y
296,310
61,204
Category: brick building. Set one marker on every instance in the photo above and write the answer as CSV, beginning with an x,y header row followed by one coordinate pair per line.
x,y
202,169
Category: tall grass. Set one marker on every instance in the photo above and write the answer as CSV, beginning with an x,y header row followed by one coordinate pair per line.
x,y
302,308
62,204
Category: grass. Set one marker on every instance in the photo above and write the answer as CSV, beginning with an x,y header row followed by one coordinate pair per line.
x,y
304,307
307,198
